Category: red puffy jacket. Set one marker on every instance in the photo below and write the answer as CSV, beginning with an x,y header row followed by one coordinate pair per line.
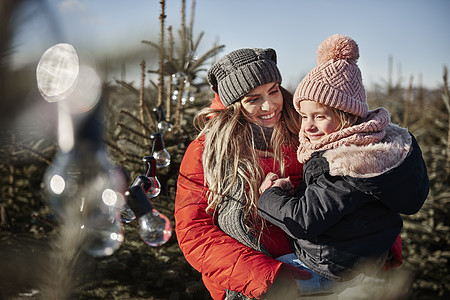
x,y
224,262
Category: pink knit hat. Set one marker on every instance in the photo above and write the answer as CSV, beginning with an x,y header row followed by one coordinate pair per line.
x,y
336,81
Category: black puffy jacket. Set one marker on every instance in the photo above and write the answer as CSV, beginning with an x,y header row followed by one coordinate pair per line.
x,y
338,222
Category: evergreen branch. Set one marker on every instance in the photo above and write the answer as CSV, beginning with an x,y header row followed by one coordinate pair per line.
x,y
35,152
445,92
137,120
153,84
134,143
150,116
131,130
132,161
201,60
197,43
154,45
115,148
128,86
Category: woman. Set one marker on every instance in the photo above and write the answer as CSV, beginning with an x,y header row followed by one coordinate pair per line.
x,y
250,129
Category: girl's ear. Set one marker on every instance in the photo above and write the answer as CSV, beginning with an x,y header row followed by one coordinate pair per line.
x,y
355,119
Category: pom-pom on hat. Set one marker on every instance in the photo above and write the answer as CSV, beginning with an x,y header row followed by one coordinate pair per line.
x,y
336,81
240,71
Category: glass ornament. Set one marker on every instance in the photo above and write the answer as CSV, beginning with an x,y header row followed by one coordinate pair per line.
x,y
153,187
148,182
126,214
160,153
155,228
85,190
163,126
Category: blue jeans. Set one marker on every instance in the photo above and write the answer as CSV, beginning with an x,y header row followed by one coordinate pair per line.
x,y
317,283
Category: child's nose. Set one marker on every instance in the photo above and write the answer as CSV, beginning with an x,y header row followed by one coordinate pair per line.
x,y
309,124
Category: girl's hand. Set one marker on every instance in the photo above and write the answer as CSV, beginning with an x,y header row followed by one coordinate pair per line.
x,y
285,184
267,182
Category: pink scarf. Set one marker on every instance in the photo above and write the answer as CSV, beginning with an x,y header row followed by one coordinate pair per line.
x,y
370,130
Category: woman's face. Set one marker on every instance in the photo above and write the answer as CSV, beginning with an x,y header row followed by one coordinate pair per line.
x,y
263,104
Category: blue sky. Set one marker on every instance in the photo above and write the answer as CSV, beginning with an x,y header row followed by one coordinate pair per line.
x,y
414,32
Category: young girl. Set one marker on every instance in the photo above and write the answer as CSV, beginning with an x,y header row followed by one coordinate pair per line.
x,y
360,172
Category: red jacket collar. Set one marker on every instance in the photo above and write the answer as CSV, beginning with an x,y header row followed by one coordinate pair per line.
x,y
216,103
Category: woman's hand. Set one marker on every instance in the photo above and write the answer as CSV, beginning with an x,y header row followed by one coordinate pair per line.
x,y
272,179
284,287
267,182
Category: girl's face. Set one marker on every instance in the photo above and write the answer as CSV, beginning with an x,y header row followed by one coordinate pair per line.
x,y
316,120
263,104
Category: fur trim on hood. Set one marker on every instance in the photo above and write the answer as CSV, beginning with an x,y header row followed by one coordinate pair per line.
x,y
371,160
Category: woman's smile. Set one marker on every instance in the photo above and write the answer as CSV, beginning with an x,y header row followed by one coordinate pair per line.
x,y
267,117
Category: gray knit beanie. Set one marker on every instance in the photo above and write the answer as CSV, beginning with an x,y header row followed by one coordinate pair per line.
x,y
240,71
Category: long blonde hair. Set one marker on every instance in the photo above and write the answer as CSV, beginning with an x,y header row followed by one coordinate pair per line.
x,y
230,158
